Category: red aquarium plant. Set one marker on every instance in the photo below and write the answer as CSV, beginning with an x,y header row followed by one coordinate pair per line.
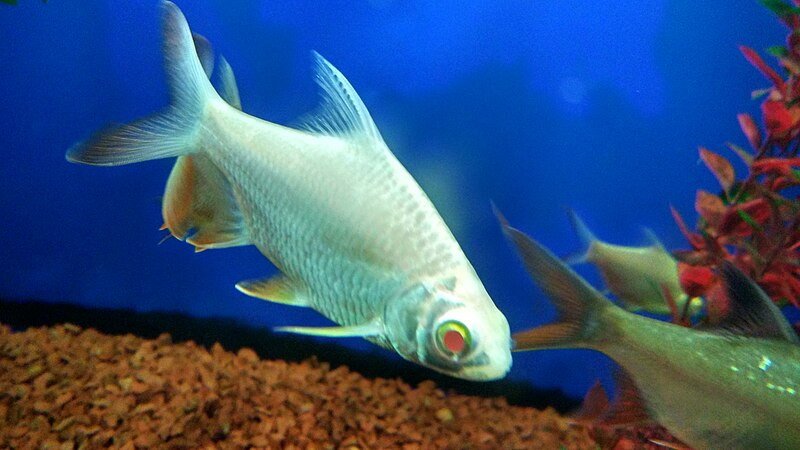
x,y
755,220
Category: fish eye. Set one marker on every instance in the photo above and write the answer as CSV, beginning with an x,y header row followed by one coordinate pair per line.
x,y
453,339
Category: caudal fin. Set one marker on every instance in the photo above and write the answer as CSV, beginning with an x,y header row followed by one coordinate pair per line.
x,y
199,205
579,305
170,132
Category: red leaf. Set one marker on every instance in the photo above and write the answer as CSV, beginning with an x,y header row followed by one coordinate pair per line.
x,y
780,183
759,64
692,257
717,303
791,65
778,285
794,288
778,166
695,280
710,207
720,167
742,220
793,42
697,242
777,118
750,130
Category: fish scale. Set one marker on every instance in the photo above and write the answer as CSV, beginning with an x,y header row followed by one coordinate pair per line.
x,y
353,234
354,299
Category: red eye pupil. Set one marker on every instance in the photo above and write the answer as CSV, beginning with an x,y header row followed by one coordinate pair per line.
x,y
454,341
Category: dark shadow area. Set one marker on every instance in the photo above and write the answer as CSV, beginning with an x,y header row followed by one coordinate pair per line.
x,y
233,335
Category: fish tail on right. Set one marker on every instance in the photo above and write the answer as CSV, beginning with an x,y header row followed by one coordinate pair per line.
x,y
582,321
170,132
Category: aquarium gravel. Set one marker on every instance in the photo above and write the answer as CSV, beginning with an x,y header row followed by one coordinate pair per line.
x,y
66,387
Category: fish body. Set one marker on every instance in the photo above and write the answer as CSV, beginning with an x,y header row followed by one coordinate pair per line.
x,y
736,386
352,233
637,276
713,390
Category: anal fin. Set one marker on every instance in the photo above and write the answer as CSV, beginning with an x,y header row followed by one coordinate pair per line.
x,y
278,289
595,404
628,406
199,206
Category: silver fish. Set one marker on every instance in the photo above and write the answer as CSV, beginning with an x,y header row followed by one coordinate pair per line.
x,y
353,234
734,386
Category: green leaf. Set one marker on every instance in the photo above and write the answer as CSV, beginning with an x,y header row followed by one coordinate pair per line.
x,y
751,250
778,51
780,8
737,191
743,154
749,219
9,2
759,93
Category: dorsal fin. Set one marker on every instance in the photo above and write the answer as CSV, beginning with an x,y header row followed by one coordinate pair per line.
x,y
341,112
587,238
751,313
653,239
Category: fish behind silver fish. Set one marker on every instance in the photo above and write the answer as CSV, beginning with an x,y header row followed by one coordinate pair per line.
x,y
351,231
637,276
735,386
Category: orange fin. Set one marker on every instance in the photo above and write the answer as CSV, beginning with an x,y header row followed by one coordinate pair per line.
x,y
594,405
628,407
199,206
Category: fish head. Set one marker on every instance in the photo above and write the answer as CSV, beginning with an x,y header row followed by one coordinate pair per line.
x,y
450,332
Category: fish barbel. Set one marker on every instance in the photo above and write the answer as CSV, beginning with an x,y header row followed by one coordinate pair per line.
x,y
733,386
353,234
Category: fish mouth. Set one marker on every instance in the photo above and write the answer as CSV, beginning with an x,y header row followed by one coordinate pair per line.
x,y
477,368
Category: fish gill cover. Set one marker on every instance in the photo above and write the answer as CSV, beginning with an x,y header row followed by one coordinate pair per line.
x,y
535,105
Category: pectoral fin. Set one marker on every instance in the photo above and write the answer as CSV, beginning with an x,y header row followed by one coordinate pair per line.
x,y
278,289
373,328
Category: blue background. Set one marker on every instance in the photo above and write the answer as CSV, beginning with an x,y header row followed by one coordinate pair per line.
x,y
536,105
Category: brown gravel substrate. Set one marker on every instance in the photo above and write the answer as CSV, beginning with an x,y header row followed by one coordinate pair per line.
x,y
67,387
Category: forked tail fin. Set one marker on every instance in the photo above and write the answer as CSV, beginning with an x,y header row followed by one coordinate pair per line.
x,y
579,305
167,133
